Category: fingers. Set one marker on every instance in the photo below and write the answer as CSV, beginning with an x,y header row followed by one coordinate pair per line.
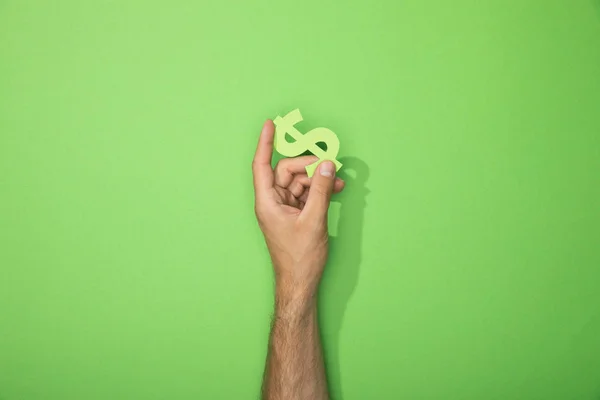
x,y
286,198
300,186
261,165
287,168
321,188
339,185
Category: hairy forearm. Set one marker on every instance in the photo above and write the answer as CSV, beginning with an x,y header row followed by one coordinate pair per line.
x,y
295,369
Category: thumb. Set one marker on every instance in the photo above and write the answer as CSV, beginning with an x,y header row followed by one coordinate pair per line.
x,y
321,187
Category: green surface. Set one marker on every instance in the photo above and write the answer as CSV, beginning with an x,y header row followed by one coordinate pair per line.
x,y
466,262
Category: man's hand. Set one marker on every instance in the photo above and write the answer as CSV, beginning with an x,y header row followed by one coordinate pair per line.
x,y
292,213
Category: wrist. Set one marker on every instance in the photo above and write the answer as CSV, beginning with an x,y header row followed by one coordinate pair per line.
x,y
293,304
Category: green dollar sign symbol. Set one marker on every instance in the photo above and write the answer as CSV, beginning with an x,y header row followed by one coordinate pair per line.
x,y
306,141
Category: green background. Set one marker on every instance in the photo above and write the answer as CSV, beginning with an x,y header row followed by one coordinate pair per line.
x,y
466,256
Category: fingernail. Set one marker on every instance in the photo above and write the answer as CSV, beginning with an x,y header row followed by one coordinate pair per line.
x,y
327,169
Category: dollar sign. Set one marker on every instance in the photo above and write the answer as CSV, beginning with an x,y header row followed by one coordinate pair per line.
x,y
306,141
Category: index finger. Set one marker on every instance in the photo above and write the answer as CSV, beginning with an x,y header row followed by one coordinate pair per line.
x,y
261,165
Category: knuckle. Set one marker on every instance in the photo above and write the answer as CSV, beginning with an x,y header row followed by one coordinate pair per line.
x,y
282,165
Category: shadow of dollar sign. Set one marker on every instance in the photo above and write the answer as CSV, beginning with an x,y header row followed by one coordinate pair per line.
x,y
303,142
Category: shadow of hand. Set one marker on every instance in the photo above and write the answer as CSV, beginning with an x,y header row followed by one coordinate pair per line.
x,y
341,274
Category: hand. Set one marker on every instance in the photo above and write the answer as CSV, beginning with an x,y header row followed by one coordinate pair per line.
x,y
291,209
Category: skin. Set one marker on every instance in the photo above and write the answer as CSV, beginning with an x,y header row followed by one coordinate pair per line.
x,y
292,213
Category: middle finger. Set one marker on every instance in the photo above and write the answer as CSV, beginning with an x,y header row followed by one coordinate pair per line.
x,y
288,167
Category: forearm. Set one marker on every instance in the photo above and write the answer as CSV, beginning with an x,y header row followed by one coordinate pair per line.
x,y
295,369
